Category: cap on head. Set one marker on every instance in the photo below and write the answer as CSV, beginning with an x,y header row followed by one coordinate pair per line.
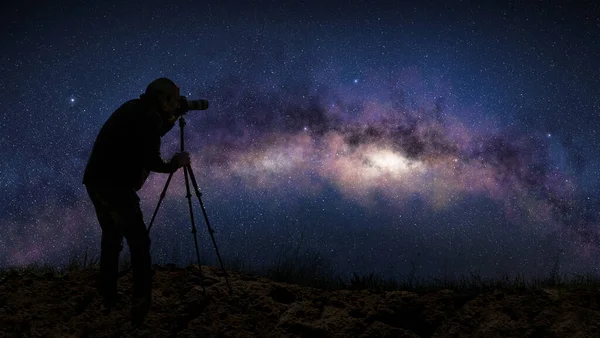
x,y
161,86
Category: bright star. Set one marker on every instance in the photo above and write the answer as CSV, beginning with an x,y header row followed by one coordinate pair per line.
x,y
355,80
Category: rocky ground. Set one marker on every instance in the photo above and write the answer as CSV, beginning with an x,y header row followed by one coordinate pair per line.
x,y
49,306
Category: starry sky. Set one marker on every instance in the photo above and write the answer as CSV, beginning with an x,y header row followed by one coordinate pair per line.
x,y
376,135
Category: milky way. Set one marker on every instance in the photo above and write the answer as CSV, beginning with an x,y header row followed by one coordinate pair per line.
x,y
457,138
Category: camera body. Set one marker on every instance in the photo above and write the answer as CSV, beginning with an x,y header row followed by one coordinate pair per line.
x,y
186,105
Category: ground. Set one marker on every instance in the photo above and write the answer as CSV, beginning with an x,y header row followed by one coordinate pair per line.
x,y
68,306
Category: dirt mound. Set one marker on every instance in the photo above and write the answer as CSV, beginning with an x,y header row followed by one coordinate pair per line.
x,y
68,306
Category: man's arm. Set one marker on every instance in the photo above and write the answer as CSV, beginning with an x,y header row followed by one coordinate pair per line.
x,y
167,125
150,146
153,161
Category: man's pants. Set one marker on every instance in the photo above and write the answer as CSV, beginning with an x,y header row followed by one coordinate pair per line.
x,y
119,215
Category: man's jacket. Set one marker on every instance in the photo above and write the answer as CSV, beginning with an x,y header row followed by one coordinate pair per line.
x,y
128,147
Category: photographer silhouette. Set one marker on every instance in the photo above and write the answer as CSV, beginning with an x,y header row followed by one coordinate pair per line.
x,y
126,150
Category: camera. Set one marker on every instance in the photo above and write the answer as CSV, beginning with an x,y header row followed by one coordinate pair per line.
x,y
186,105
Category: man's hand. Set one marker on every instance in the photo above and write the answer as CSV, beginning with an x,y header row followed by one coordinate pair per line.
x,y
172,118
181,159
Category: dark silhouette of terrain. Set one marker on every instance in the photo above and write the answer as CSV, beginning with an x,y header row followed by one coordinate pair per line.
x,y
34,303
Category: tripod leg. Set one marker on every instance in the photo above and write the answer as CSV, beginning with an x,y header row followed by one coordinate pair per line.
x,y
162,196
189,198
188,169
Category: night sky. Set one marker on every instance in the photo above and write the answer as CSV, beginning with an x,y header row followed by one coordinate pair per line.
x,y
377,135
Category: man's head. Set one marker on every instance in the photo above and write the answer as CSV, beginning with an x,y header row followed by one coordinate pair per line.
x,y
165,93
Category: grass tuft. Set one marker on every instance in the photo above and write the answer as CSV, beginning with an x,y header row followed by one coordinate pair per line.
x,y
313,270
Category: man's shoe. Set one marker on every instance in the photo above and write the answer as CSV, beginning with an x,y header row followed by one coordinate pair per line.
x,y
139,310
110,302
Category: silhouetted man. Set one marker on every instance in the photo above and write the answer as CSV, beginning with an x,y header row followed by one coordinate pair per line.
x,y
126,150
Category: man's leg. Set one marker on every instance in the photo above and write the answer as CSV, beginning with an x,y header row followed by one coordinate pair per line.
x,y
111,246
139,245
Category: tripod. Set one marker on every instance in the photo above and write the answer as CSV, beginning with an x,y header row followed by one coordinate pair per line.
x,y
188,171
